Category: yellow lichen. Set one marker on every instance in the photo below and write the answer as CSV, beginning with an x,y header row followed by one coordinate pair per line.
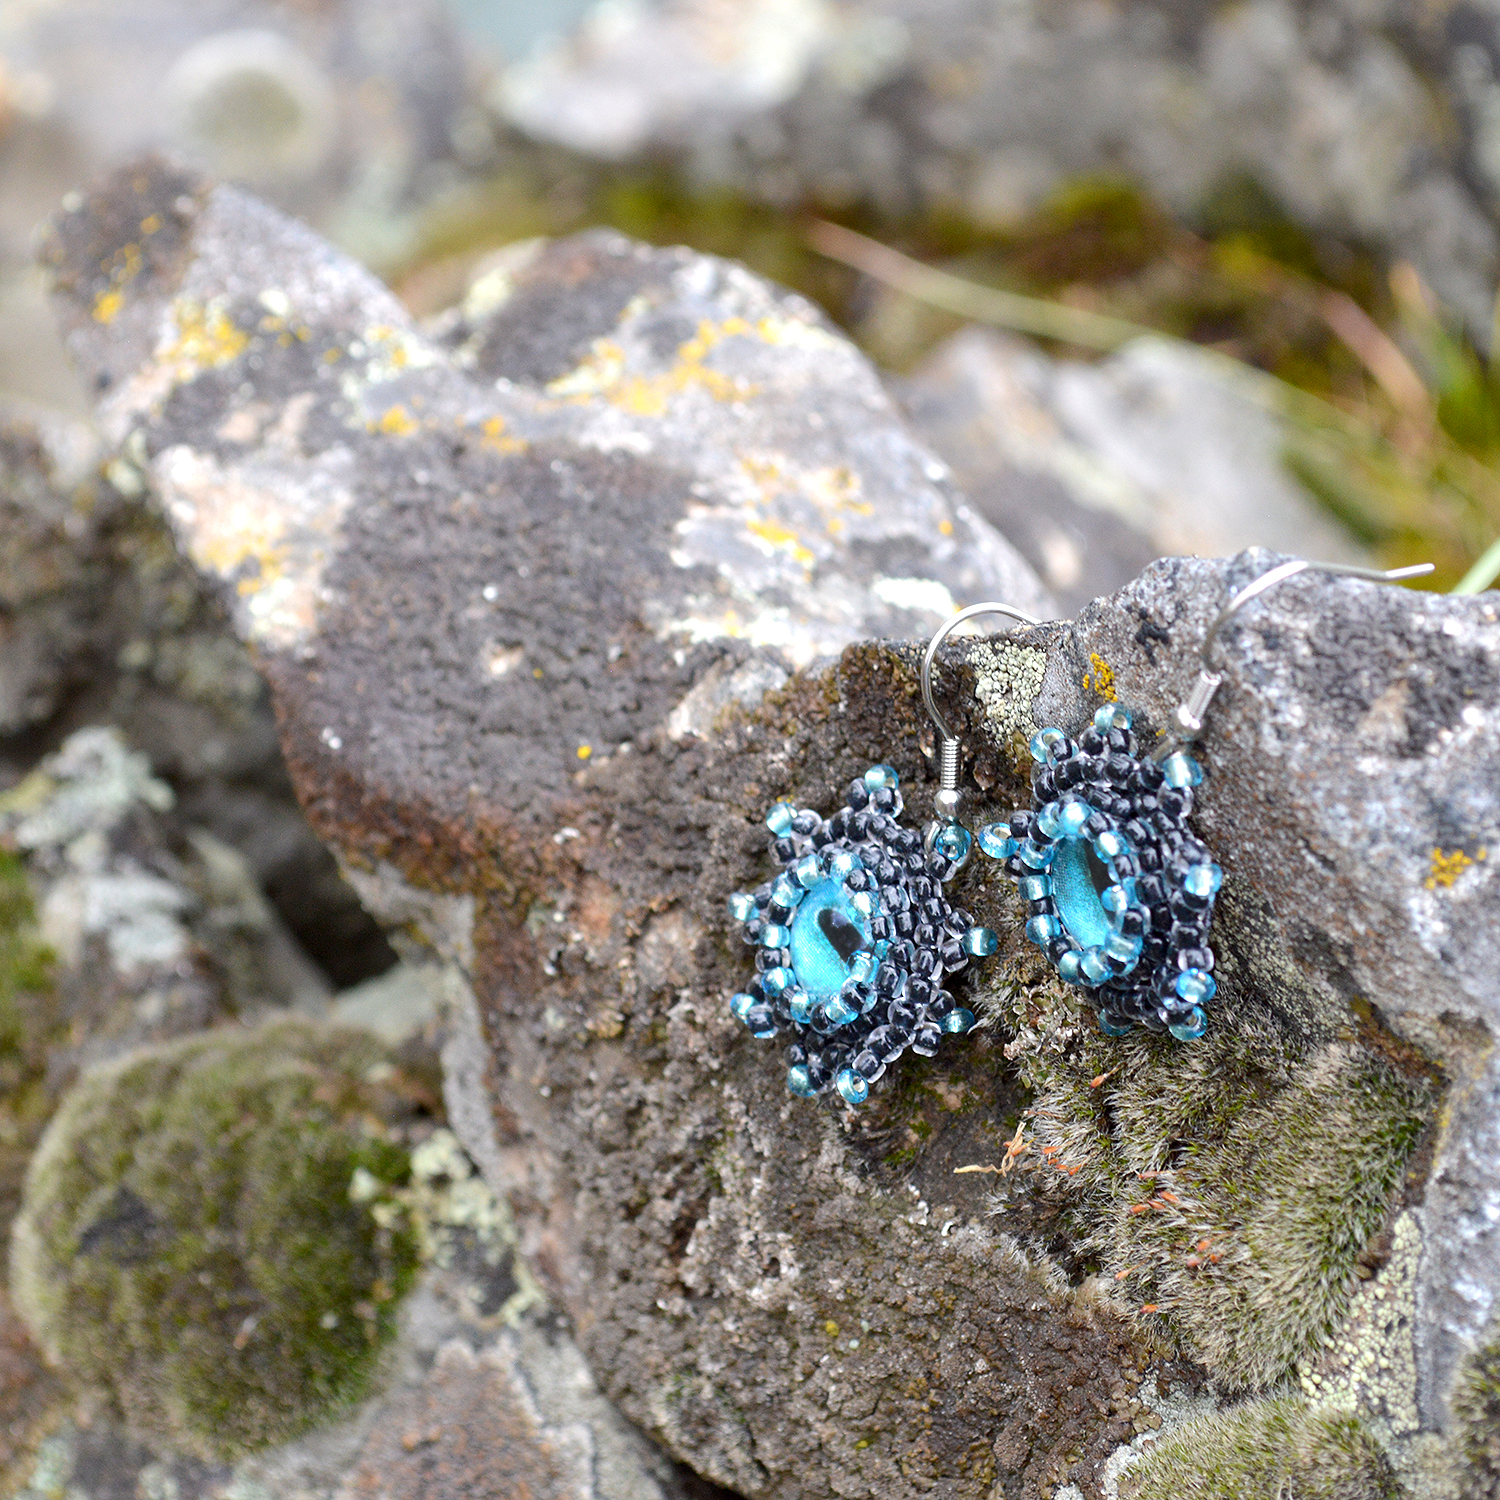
x,y
1446,868
207,338
396,422
107,307
497,438
1101,679
780,538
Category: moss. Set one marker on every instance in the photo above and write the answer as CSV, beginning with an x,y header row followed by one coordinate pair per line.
x,y
1226,1190
1277,1449
1476,1405
25,977
189,1242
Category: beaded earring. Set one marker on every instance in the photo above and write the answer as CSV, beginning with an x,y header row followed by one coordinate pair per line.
x,y
855,936
1120,891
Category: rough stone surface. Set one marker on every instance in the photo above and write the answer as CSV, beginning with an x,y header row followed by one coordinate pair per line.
x,y
1094,470
793,1298
1373,121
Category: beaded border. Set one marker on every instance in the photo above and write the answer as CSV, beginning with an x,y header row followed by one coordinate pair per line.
x,y
1154,968
893,998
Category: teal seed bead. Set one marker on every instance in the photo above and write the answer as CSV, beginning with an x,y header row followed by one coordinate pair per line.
x,y
779,819
1123,947
1111,716
953,842
739,1004
1110,1029
980,941
1203,880
864,903
785,891
807,872
843,864
881,776
773,981
1069,967
1181,770
1093,966
742,906
1035,887
1038,856
799,1081
1072,816
853,1088
1049,821
1109,844
840,1012
1041,930
1042,741
1115,898
1195,984
957,1020
800,1004
1192,1028
862,966
995,840
775,936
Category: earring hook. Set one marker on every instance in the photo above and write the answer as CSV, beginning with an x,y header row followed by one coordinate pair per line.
x,y
1191,710
946,801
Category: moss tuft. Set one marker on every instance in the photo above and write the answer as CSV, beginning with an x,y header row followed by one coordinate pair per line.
x,y
190,1244
1225,1190
1476,1404
1278,1448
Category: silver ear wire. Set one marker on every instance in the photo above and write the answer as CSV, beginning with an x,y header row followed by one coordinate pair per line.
x,y
948,800
1191,711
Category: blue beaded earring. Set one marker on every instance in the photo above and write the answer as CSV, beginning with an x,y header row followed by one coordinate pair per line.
x,y
1120,891
856,935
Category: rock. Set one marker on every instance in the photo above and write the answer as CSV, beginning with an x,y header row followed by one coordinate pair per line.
x,y
792,1297
210,1233
1097,469
915,108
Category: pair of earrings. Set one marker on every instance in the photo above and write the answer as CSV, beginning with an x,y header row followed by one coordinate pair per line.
x,y
855,936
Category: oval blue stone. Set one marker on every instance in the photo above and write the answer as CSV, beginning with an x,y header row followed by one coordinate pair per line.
x,y
1078,880
827,932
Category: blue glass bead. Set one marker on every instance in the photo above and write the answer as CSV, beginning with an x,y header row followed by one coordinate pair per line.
x,y
773,981
1194,984
1109,843
953,842
843,864
739,1004
1190,1029
853,1088
800,1003
862,966
775,936
1034,887
839,1011
1126,949
1093,966
1049,820
1073,816
761,1021
830,930
742,906
980,941
1114,898
779,819
1069,967
1181,769
881,776
808,871
785,891
1038,856
995,840
1203,880
1041,930
1077,900
799,1081
864,903
1110,1029
1111,716
1042,741
957,1020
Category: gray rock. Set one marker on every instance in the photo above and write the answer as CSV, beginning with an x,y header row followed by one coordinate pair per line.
x,y
916,106
1097,469
790,1296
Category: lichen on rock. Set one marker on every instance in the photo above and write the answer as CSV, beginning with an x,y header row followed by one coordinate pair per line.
x,y
189,1241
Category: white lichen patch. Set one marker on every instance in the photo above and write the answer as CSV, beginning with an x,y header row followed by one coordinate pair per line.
x,y
1007,682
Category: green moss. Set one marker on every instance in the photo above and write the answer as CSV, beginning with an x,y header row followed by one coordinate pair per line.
x,y
1266,1450
1225,1189
1476,1405
25,977
188,1241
